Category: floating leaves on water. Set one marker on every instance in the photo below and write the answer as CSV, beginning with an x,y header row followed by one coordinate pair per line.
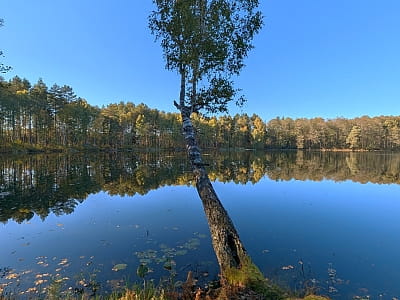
x,y
192,244
40,281
169,252
168,265
83,282
145,261
116,283
119,267
159,260
63,262
30,290
332,289
149,254
166,254
200,235
142,270
331,273
42,275
181,252
12,276
60,280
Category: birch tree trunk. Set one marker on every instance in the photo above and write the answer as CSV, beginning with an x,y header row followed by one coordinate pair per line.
x,y
230,252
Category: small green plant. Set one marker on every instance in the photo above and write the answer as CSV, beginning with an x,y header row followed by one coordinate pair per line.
x,y
314,297
54,289
142,271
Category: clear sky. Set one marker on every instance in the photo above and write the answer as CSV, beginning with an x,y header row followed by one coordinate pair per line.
x,y
326,58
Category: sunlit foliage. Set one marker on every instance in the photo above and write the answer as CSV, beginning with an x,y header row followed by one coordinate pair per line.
x,y
35,117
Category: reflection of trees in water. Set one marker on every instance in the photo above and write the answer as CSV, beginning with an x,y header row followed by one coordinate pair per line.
x,y
44,184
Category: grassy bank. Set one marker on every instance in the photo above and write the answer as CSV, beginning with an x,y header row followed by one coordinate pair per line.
x,y
165,290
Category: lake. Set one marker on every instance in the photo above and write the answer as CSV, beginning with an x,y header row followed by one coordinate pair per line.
x,y
84,223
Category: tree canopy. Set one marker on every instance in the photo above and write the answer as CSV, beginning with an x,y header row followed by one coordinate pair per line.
x,y
3,68
206,42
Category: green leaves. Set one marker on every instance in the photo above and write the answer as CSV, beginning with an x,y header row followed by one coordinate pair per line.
x,y
3,68
119,267
216,97
206,42
142,270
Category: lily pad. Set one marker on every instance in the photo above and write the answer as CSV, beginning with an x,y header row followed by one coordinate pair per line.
x,y
151,254
200,235
119,267
160,260
181,252
145,261
168,265
192,244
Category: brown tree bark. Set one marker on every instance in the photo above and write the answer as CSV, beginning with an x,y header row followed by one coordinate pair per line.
x,y
226,242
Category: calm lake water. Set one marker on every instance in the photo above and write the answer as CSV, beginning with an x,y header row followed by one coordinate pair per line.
x,y
84,223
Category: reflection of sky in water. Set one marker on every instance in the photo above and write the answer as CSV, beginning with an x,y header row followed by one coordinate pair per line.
x,y
108,230
350,227
353,228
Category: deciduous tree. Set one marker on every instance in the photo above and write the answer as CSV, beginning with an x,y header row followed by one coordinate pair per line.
x,y
206,42
354,138
3,68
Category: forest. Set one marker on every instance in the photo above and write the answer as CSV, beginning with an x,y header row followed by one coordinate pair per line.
x,y
35,117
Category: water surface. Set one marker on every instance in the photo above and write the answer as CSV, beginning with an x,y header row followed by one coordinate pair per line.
x,y
324,220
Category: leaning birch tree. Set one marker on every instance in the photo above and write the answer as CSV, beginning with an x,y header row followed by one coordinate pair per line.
x,y
206,42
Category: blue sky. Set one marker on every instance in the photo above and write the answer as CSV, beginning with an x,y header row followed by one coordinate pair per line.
x,y
325,58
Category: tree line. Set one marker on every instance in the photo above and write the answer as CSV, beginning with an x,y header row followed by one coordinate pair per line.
x,y
37,117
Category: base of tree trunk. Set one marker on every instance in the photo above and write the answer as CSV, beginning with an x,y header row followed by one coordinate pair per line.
x,y
238,272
